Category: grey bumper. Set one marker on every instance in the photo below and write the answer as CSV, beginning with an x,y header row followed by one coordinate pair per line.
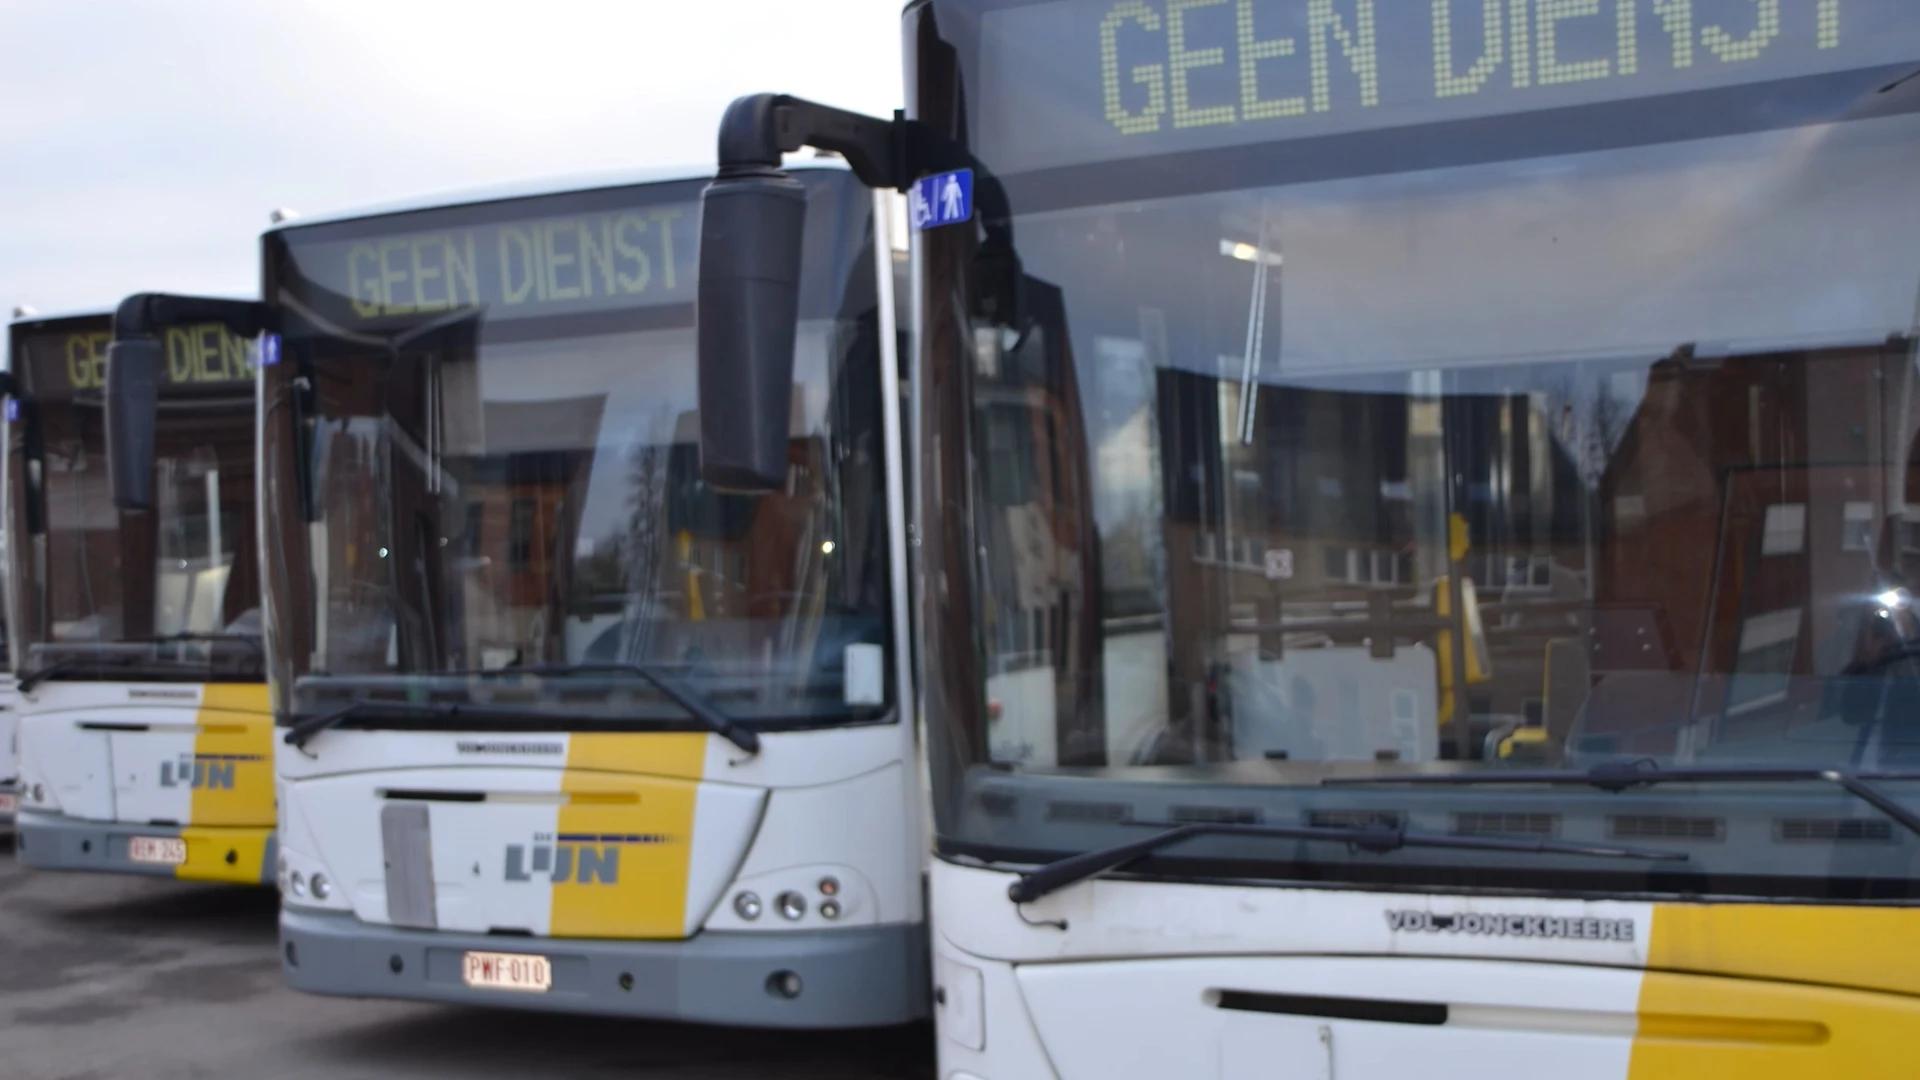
x,y
859,977
55,842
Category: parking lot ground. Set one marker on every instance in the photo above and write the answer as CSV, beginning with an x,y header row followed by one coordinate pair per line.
x,y
104,978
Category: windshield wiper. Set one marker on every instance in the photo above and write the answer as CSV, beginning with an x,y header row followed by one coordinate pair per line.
x,y
1617,776
1378,839
37,676
696,706
108,654
195,637
302,731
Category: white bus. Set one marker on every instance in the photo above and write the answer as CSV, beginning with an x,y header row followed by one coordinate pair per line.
x,y
145,745
562,727
1416,503
9,719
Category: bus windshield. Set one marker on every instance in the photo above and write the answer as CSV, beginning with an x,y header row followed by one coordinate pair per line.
x,y
170,593
1417,388
481,444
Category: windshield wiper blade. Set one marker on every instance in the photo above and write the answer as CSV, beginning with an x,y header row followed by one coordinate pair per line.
x,y
1618,776
194,637
302,731
696,706
34,678
1378,839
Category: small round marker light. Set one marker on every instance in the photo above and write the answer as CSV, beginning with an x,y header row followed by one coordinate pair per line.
x,y
829,886
792,906
297,884
830,909
746,905
322,888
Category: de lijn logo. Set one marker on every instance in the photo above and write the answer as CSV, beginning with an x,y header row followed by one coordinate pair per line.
x,y
213,772
580,858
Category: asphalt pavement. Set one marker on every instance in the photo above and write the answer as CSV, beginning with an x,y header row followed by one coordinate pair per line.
x,y
107,977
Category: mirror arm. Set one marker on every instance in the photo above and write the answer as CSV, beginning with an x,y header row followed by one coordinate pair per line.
x,y
759,128
143,314
883,153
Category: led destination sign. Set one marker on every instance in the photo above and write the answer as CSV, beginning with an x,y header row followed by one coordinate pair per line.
x,y
511,269
58,366
1088,80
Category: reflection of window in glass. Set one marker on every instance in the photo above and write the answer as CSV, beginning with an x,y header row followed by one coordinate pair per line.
x,y
520,534
1767,646
1785,531
194,545
1359,566
1856,527
476,514
1009,456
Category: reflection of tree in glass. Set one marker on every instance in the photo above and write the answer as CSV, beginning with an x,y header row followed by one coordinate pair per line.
x,y
641,546
1592,420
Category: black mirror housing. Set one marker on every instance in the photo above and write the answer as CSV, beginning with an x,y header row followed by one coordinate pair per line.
x,y
748,307
135,367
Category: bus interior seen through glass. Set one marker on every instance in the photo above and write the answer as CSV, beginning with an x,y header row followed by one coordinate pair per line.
x,y
1677,436
502,490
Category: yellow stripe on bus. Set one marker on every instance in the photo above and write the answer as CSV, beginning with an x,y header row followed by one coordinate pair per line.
x,y
1864,948
233,752
235,855
625,836
1768,992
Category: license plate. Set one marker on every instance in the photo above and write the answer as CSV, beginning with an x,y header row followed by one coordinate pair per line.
x,y
165,850
9,803
508,971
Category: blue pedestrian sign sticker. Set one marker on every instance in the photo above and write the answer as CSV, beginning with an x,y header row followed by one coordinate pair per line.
x,y
269,350
942,199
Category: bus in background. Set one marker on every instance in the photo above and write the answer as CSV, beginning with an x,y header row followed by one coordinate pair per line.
x,y
145,740
563,727
1418,504
9,717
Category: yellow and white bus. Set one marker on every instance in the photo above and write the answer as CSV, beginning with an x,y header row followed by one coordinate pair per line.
x,y
145,741
1416,509
563,727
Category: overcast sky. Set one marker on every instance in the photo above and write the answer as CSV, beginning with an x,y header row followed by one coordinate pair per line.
x,y
145,142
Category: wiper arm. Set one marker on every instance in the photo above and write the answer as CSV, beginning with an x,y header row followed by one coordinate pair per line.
x,y
194,637
696,706
1617,776
1378,839
34,678
302,731
1870,665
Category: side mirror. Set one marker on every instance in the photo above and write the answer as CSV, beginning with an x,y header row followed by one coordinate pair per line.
x,y
748,308
134,370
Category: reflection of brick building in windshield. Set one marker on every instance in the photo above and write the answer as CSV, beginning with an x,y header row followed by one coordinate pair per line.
x,y
472,551
1757,508
1679,558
